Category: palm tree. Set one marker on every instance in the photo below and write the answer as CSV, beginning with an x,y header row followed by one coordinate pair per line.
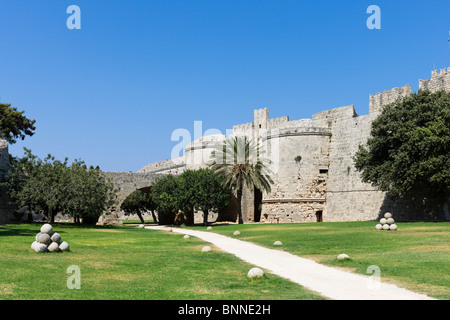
x,y
238,161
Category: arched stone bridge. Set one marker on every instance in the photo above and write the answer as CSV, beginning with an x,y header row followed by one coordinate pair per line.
x,y
126,183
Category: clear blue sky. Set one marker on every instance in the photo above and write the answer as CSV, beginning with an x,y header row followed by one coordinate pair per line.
x,y
113,92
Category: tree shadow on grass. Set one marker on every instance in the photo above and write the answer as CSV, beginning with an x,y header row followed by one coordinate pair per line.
x,y
414,207
31,229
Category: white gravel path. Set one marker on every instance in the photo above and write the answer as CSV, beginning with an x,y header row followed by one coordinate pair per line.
x,y
329,282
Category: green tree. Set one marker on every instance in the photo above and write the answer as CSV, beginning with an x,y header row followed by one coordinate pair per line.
x,y
88,193
211,194
13,124
138,203
239,163
409,148
185,194
51,186
164,196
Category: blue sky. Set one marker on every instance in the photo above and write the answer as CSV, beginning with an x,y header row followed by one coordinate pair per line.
x,y
113,92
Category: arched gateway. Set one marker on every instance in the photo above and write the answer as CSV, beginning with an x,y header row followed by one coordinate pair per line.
x,y
125,183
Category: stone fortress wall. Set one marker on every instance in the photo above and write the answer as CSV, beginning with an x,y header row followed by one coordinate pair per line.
x,y
5,212
324,185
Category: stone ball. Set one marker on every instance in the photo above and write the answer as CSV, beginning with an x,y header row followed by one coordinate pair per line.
x,y
186,236
53,247
255,273
206,249
40,247
278,243
141,226
386,227
343,256
44,238
37,236
383,221
390,221
236,233
47,228
393,227
56,237
209,228
34,244
169,229
379,227
388,215
64,246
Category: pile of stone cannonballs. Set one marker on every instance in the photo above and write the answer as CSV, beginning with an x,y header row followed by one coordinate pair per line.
x,y
387,223
49,241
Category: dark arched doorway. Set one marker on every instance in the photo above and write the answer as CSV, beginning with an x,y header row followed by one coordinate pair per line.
x,y
257,205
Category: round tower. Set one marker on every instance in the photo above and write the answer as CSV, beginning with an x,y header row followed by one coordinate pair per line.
x,y
299,155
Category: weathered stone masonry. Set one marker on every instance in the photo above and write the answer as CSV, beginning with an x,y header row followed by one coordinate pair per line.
x,y
312,160
323,185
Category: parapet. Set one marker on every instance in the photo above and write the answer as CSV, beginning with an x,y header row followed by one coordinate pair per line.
x,y
165,165
438,81
204,142
380,100
325,118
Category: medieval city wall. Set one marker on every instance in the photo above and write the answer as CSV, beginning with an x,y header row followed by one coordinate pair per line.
x,y
5,209
300,179
438,81
312,161
348,198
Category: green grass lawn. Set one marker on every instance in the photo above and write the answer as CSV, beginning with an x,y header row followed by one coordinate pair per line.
x,y
132,263
129,263
416,257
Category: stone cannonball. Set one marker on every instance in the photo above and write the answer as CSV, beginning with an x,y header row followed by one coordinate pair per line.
x,y
186,236
379,227
388,215
383,221
393,227
34,244
236,233
37,236
206,249
255,273
40,247
47,228
141,226
44,238
64,246
53,247
278,243
343,256
386,227
56,237
390,221
209,228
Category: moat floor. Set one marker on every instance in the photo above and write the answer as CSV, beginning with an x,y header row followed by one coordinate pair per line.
x,y
330,282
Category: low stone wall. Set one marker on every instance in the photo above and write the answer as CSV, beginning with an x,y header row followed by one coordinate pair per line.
x,y
291,210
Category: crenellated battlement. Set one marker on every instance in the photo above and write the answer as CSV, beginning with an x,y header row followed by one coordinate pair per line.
x,y
438,81
381,99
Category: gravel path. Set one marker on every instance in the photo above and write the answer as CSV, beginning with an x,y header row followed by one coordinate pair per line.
x,y
329,282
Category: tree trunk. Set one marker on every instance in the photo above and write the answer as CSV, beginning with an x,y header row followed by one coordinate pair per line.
x,y
141,218
50,217
239,201
154,217
205,217
189,213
